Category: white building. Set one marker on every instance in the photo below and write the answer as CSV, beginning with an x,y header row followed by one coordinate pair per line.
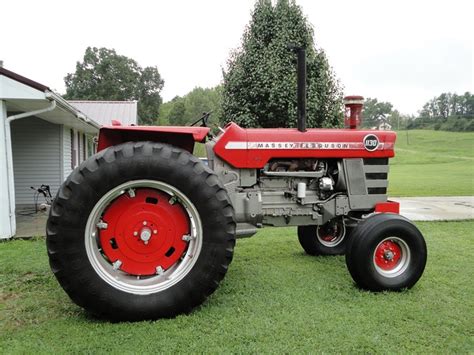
x,y
384,126
42,139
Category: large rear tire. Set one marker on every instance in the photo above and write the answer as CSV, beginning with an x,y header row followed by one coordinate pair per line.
x,y
386,252
140,231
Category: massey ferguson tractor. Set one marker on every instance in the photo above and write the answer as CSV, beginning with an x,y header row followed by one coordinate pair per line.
x,y
144,229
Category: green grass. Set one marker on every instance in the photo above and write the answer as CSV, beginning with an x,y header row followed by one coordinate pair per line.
x,y
432,163
274,299
200,150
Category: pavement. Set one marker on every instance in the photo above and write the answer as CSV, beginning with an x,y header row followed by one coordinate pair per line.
x,y
436,208
30,224
414,208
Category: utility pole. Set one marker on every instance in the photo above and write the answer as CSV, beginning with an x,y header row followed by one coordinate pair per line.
x,y
406,129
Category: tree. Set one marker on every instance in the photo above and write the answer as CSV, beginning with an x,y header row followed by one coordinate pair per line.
x,y
375,112
447,105
105,75
260,78
442,103
447,112
177,112
201,100
187,109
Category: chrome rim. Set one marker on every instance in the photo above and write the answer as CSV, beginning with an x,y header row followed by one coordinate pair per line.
x,y
391,257
331,234
142,284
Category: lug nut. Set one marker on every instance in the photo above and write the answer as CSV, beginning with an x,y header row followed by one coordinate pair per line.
x,y
102,225
186,237
116,265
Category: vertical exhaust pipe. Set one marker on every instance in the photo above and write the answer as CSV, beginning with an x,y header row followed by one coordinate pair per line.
x,y
301,63
301,85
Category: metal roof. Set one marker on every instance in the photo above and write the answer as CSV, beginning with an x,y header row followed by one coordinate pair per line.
x,y
104,112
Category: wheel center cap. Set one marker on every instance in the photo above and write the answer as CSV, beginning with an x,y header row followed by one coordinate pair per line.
x,y
145,234
388,255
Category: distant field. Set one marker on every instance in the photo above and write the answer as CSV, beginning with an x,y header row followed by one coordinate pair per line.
x,y
432,163
274,299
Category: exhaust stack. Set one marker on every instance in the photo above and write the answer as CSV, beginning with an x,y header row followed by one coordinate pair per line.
x,y
301,84
301,93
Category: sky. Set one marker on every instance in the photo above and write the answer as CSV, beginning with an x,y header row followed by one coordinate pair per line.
x,y
404,52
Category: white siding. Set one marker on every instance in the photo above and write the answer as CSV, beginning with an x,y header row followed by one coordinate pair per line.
x,y
67,149
80,137
36,150
7,222
66,152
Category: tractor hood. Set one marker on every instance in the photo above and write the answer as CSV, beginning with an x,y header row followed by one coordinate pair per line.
x,y
253,148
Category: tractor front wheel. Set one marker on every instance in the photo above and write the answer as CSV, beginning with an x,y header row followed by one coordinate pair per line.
x,y
327,239
386,252
140,231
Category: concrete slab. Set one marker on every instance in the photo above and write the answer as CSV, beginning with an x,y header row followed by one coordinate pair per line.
x,y
31,224
436,208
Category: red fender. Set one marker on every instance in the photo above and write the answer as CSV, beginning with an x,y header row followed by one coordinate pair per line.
x,y
387,207
182,137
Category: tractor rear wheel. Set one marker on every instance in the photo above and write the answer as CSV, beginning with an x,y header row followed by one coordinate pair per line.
x,y
386,252
140,231
327,239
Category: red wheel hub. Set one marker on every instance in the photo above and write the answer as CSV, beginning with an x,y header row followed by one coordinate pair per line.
x,y
328,238
144,232
388,255
328,232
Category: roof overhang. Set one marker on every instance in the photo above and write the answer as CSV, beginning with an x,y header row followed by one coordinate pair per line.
x,y
20,97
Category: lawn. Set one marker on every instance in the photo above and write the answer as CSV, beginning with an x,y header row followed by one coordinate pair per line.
x,y
432,163
274,299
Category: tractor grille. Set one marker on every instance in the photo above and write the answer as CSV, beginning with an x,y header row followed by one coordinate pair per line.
x,y
376,174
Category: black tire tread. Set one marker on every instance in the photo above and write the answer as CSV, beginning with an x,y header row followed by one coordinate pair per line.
x,y
68,214
367,234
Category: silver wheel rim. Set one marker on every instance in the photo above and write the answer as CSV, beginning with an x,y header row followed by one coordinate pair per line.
x,y
402,264
131,283
336,240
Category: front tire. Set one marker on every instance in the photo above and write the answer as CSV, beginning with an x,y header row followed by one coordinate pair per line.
x,y
140,231
328,239
386,252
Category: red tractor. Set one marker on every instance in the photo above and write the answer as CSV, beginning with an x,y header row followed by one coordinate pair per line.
x,y
144,230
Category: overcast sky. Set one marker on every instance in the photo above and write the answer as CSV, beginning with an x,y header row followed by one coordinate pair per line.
x,y
405,52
